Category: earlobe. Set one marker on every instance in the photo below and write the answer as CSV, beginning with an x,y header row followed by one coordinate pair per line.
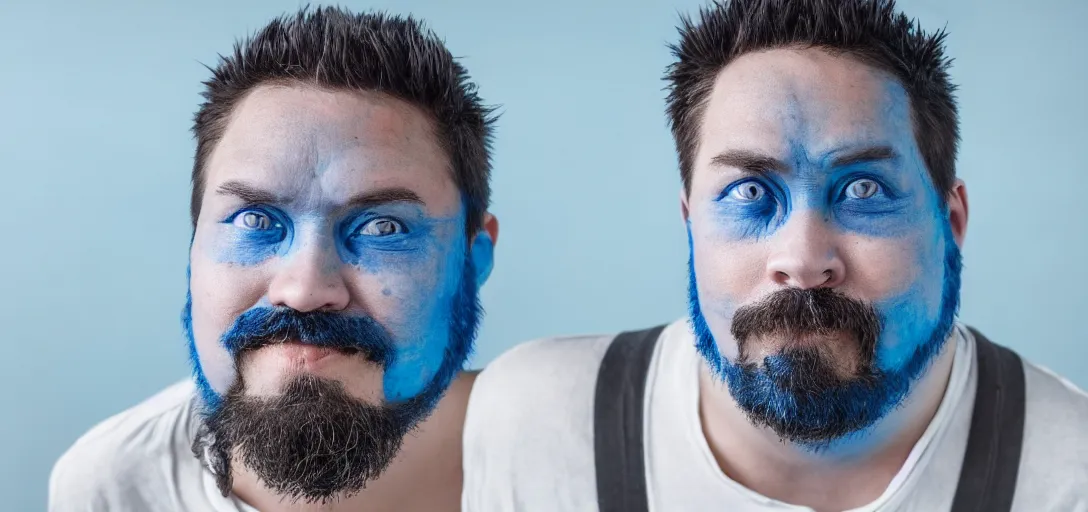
x,y
483,248
957,211
483,255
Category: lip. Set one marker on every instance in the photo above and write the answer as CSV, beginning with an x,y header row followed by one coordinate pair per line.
x,y
305,355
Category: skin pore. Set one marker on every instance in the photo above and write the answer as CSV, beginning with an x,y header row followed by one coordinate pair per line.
x,y
341,202
807,176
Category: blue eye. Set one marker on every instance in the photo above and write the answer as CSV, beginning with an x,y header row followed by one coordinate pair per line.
x,y
748,192
382,226
255,220
863,188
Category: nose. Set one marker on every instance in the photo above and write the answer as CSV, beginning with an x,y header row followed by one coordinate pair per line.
x,y
805,254
309,278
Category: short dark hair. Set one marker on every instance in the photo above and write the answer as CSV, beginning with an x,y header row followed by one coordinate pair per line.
x,y
868,30
337,50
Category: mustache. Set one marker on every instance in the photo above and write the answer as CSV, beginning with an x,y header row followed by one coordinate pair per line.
x,y
794,312
262,326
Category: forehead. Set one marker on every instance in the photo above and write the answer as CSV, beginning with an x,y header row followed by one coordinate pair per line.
x,y
782,100
298,139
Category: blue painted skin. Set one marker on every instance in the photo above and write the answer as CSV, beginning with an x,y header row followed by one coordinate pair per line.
x,y
394,237
865,199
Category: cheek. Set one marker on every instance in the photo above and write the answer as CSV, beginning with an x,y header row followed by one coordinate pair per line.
x,y
908,297
727,271
414,303
728,274
880,268
400,297
220,292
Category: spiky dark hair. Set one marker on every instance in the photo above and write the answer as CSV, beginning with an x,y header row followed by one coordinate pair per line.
x,y
871,31
337,50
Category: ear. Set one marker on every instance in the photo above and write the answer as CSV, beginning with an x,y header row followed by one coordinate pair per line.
x,y
483,248
957,211
684,205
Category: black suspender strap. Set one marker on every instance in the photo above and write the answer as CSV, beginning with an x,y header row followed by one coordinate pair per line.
x,y
990,465
617,421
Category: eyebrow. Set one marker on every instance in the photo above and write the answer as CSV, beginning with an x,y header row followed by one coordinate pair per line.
x,y
749,161
754,162
248,193
368,199
382,196
867,154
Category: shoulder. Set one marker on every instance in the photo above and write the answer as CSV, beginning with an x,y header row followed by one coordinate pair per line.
x,y
541,377
1054,460
103,467
528,439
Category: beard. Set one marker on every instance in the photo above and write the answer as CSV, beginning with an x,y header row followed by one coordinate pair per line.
x,y
311,442
314,442
801,391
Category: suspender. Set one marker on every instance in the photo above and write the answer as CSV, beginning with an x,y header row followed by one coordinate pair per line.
x,y
990,464
617,421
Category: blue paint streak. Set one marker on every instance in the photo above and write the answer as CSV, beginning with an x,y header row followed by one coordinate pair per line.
x,y
250,246
209,397
376,253
418,358
754,219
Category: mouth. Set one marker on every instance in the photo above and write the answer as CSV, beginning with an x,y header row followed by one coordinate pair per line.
x,y
304,353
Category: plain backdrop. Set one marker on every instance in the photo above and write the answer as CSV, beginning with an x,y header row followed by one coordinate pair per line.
x,y
96,100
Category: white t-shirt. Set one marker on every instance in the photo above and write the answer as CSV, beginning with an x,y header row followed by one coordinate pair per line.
x,y
140,460
528,439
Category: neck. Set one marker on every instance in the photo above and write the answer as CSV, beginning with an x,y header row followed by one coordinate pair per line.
x,y
842,477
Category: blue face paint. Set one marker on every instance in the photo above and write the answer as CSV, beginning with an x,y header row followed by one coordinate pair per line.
x,y
254,234
208,395
918,339
393,239
753,207
483,256
862,198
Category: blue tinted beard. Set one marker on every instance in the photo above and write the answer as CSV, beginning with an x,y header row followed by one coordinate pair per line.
x,y
209,398
427,389
757,391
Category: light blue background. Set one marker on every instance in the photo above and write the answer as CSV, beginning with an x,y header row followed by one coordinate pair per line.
x,y
96,100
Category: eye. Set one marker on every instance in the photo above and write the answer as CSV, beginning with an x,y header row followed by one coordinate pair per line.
x,y
748,191
862,189
254,220
381,227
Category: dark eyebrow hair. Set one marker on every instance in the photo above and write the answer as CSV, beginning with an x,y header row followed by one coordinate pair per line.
x,y
248,193
869,154
749,161
253,195
382,196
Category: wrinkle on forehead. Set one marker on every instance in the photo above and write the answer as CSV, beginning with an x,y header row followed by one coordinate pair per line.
x,y
777,100
315,144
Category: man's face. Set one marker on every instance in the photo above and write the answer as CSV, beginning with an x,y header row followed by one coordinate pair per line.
x,y
329,260
824,269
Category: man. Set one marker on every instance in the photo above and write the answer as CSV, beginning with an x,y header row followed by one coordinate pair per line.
x,y
339,201
821,367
